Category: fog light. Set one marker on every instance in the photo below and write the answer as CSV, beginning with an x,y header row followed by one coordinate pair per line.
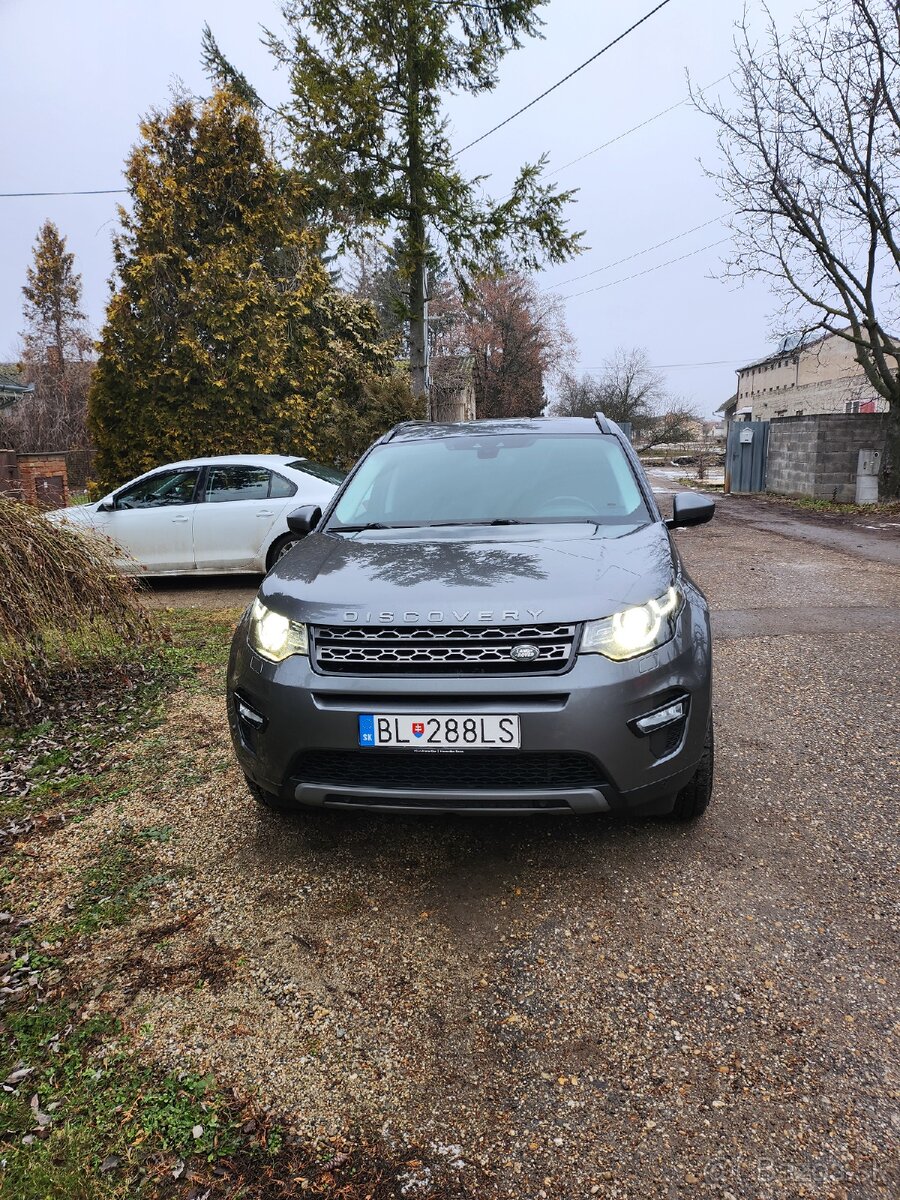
x,y
254,719
676,711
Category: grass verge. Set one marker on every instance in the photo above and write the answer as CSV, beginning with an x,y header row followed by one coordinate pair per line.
x,y
83,1118
87,730
886,508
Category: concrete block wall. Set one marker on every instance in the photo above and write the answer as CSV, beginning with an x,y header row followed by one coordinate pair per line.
x,y
791,464
818,456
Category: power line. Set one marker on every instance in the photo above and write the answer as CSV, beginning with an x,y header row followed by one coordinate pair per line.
x,y
637,254
625,133
93,192
719,362
565,78
601,287
635,128
587,154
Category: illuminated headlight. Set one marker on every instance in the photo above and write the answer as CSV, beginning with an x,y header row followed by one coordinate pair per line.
x,y
633,631
273,636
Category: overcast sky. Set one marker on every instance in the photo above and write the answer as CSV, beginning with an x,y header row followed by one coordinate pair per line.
x,y
77,78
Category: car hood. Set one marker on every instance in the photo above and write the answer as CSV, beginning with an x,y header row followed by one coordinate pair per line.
x,y
449,577
77,514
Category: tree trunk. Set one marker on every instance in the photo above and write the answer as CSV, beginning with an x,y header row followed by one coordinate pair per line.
x,y
889,482
416,243
418,329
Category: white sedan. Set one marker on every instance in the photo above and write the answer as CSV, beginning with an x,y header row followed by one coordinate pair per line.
x,y
207,515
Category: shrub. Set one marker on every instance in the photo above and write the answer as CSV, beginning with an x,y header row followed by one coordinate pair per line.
x,y
349,420
63,608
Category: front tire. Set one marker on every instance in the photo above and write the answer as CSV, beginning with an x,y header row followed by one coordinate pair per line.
x,y
693,799
268,799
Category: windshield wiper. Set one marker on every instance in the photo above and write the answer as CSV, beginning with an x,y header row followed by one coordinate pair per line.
x,y
364,528
496,521
523,521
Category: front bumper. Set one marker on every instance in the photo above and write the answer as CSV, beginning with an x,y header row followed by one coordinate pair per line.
x,y
583,713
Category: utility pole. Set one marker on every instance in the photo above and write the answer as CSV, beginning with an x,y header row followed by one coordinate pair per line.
x,y
429,413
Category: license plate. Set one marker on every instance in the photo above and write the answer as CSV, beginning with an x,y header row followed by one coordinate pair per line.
x,y
440,733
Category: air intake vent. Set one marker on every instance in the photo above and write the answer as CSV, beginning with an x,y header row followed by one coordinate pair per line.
x,y
423,771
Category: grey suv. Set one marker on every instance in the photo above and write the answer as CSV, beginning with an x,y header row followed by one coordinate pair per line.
x,y
490,617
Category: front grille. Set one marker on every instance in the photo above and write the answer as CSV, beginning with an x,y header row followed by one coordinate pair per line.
x,y
440,650
469,770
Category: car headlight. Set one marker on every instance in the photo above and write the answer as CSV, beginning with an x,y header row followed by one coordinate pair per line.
x,y
273,636
633,631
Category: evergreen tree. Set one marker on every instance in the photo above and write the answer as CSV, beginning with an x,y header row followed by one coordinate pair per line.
x,y
55,326
219,335
371,138
56,346
362,392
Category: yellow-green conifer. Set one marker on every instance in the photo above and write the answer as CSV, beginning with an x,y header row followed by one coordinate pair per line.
x,y
218,336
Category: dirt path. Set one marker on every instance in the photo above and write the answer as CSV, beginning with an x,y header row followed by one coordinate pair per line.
x,y
568,1008
210,593
872,538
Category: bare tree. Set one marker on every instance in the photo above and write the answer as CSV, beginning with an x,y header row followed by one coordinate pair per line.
x,y
515,336
578,397
629,390
811,172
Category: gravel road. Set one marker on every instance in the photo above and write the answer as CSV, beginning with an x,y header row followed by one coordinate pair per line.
x,y
574,1008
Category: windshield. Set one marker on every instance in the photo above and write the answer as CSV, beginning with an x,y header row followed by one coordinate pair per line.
x,y
318,470
492,479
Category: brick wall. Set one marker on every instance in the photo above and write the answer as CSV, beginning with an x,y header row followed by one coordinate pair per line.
x,y
43,480
818,456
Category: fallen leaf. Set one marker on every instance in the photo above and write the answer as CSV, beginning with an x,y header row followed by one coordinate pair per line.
x,y
16,1076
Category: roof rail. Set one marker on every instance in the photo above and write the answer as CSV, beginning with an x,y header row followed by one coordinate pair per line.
x,y
602,422
386,437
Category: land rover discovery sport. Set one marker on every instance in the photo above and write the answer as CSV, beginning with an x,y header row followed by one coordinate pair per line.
x,y
490,617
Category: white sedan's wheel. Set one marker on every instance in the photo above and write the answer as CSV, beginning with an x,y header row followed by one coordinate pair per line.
x,y
280,548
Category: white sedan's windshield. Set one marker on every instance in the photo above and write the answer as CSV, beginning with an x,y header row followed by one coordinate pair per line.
x,y
492,479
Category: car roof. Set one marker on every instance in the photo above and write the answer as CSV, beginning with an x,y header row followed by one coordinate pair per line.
x,y
412,431
246,460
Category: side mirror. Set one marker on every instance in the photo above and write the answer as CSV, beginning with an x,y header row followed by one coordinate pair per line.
x,y
107,504
690,509
303,520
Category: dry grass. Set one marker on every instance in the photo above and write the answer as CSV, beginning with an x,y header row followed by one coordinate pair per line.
x,y
63,608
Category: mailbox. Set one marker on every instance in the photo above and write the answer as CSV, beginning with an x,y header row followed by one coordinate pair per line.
x,y
746,436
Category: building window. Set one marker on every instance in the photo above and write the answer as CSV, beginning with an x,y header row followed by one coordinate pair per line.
x,y
852,406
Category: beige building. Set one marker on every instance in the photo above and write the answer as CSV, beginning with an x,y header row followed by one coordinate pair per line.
x,y
452,387
806,376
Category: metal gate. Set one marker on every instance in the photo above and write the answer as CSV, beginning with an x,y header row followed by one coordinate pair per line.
x,y
745,456
50,491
